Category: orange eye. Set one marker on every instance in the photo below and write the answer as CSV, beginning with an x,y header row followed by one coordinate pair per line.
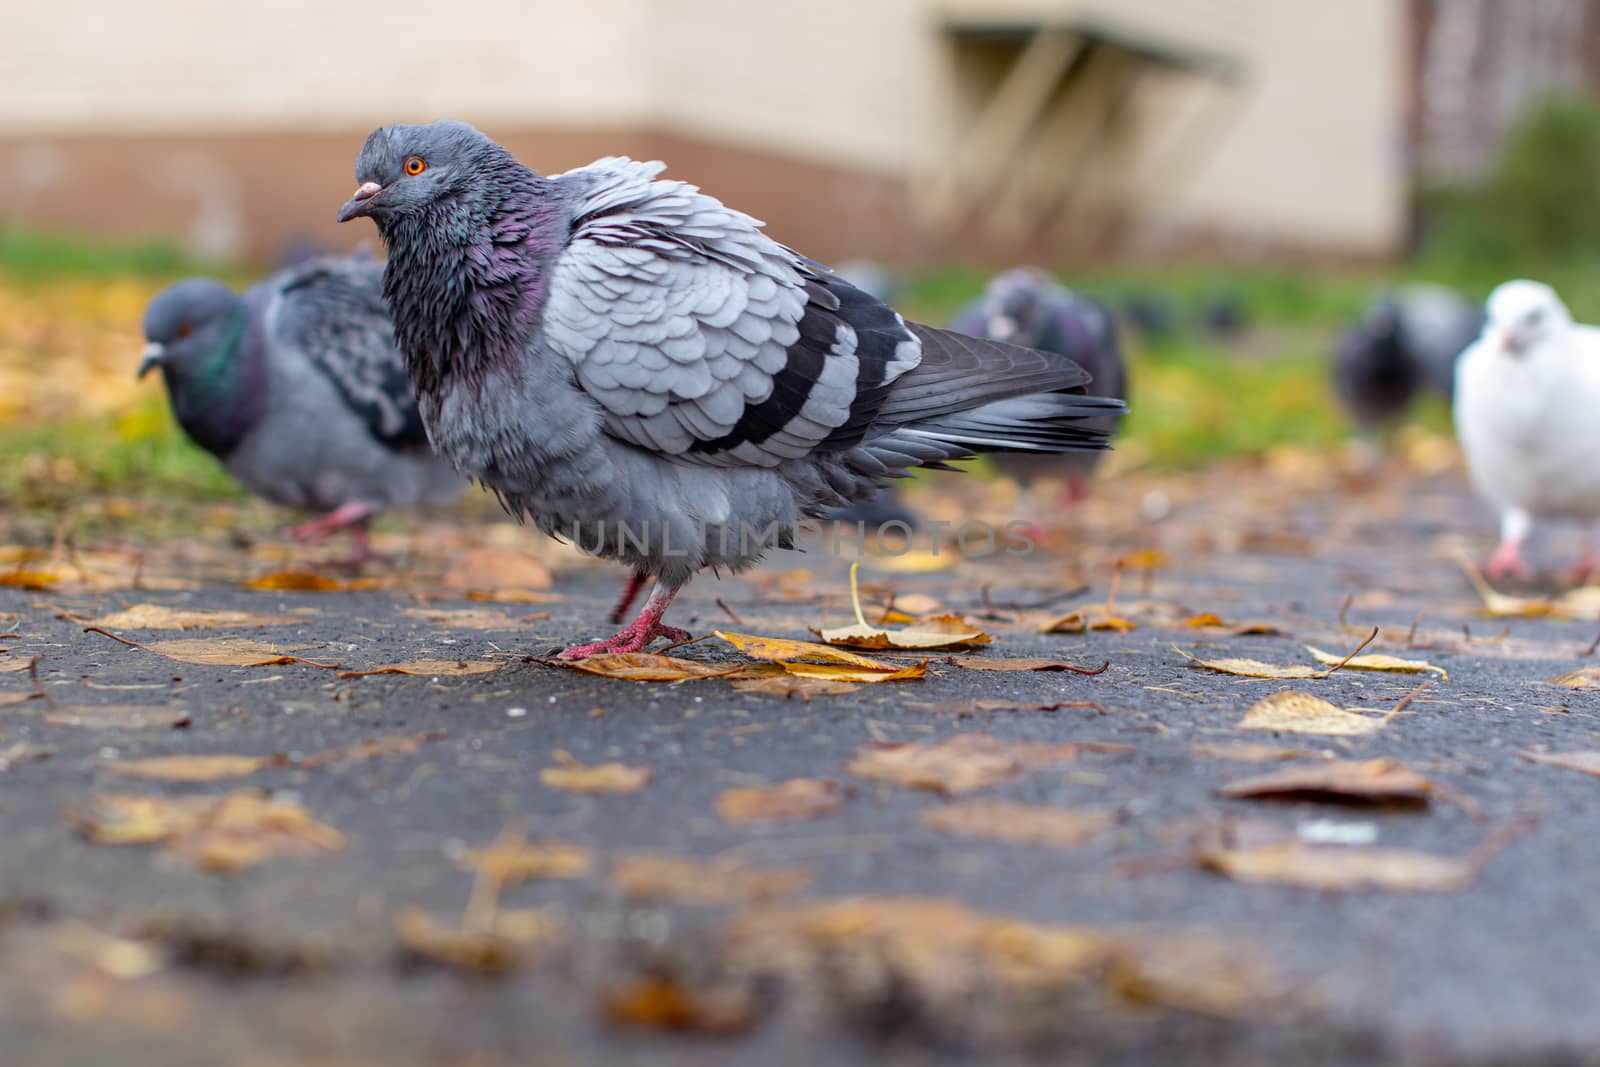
x,y
415,166
185,330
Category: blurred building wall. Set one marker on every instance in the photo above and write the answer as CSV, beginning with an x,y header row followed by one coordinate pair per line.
x,y
854,127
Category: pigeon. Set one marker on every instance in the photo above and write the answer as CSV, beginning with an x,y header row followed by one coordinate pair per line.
x,y
1406,344
1526,395
296,387
1025,306
640,369
1224,314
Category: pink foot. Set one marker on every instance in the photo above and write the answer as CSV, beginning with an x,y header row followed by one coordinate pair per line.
x,y
639,633
1507,560
318,530
1587,565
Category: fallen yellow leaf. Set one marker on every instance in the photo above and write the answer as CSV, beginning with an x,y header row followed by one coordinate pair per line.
x,y
599,778
296,581
227,652
221,834
1019,824
1586,762
157,617
1342,868
787,685
650,877
431,668
1380,780
652,667
189,768
1377,663
797,798
960,764
1302,713
939,631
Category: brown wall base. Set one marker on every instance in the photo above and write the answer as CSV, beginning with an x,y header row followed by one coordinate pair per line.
x,y
260,194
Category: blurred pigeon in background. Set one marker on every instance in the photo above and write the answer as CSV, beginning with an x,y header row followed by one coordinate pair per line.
x,y
1026,306
1526,396
1407,342
1151,315
633,365
297,388
1224,314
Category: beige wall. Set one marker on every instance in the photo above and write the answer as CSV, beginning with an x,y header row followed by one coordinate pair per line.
x,y
863,91
1312,152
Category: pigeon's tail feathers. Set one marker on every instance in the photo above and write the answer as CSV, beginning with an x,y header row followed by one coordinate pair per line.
x,y
958,373
1040,422
970,395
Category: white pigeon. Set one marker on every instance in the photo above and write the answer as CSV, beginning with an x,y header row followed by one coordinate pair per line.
x,y
1527,412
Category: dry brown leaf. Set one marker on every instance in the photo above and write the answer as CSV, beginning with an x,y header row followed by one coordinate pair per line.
x,y
189,768
372,748
1373,780
788,685
11,665
1019,824
1246,752
1302,713
497,949
512,860
651,667
1080,621
956,765
1342,868
599,778
664,1003
464,619
689,881
157,617
431,668
223,834
1585,762
296,581
117,716
939,631
226,652
797,798
1582,678
1002,663
1377,663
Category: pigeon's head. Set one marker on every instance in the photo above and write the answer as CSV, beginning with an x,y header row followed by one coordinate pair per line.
x,y
187,324
1523,315
403,170
1015,306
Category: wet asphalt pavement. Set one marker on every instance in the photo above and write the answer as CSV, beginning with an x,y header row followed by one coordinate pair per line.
x,y
135,954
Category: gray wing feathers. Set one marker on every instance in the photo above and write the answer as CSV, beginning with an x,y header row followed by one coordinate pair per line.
x,y
331,310
676,313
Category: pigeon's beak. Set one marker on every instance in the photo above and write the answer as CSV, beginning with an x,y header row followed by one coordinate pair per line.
x,y
1002,327
1509,343
361,203
153,354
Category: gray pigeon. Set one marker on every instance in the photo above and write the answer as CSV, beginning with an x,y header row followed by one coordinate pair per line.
x,y
297,388
1025,306
1406,343
636,367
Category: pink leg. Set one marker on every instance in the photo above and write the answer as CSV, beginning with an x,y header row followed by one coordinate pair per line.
x,y
1507,560
630,593
637,634
1515,525
1587,565
347,514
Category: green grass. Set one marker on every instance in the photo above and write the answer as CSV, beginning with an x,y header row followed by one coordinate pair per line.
x,y
29,256
141,452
